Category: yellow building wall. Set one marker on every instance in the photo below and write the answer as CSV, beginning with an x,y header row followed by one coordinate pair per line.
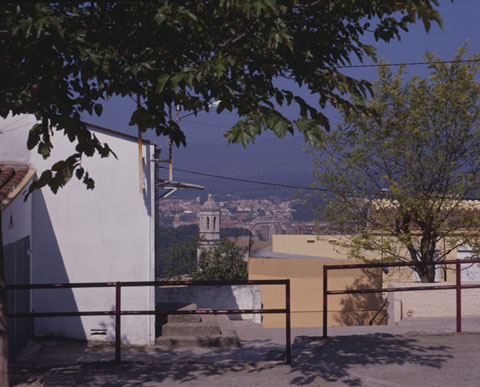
x,y
306,285
313,245
327,246
322,246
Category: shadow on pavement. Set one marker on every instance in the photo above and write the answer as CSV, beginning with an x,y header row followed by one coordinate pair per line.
x,y
334,357
315,361
180,368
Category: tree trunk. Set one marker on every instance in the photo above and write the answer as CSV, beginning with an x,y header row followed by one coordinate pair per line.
x,y
426,273
3,316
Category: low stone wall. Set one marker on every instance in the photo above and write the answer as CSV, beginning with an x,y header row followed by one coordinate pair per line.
x,y
215,297
430,303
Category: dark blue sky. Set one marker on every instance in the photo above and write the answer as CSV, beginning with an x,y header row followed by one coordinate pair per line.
x,y
207,150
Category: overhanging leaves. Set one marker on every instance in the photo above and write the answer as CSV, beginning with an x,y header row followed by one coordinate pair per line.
x,y
63,59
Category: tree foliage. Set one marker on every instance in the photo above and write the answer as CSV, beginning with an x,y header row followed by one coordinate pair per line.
x,y
181,260
401,176
60,60
175,250
223,262
235,232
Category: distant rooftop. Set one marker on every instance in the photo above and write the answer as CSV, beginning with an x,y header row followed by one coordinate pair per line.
x,y
13,178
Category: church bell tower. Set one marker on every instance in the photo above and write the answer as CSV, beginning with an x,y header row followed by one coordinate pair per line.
x,y
209,224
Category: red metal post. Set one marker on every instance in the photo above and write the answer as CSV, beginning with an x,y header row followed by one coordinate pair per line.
x,y
459,295
287,323
325,303
118,307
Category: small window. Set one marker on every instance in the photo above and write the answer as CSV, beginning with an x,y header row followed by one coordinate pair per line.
x,y
208,223
214,221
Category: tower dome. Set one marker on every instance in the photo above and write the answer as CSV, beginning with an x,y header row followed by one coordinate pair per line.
x,y
209,205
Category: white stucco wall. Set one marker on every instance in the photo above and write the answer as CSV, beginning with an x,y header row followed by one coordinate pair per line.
x,y
100,235
13,138
215,297
430,303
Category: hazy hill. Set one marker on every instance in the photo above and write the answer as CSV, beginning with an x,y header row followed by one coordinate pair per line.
x,y
271,160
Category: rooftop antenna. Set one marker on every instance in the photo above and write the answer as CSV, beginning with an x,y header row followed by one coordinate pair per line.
x,y
170,185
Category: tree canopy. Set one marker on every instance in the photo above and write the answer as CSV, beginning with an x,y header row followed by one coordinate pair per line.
x,y
60,60
175,250
222,262
400,178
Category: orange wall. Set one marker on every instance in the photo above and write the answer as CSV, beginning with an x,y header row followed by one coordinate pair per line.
x,y
306,280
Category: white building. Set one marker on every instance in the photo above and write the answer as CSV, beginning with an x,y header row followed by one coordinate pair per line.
x,y
16,231
79,235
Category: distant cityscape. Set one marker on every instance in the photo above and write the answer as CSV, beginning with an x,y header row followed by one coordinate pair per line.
x,y
261,217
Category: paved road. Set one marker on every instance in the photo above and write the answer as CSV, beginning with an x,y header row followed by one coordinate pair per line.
x,y
415,353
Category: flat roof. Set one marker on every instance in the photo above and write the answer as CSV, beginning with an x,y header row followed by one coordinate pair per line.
x,y
268,253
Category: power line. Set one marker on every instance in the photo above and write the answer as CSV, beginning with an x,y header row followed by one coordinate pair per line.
x,y
249,181
13,123
273,184
15,128
409,63
207,124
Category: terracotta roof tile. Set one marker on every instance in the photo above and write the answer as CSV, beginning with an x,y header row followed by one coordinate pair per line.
x,y
11,176
6,174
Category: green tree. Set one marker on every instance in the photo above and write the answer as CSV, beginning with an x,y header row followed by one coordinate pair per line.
x,y
181,259
60,60
401,176
174,250
222,262
235,232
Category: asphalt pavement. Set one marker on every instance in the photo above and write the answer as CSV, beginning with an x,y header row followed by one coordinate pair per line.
x,y
416,352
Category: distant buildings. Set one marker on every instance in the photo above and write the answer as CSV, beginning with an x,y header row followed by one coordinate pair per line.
x,y
263,217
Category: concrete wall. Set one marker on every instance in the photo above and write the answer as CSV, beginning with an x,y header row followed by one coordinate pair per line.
x,y
306,281
215,297
469,272
105,234
430,303
17,271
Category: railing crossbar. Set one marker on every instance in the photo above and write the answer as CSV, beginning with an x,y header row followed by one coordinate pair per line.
x,y
118,312
399,264
144,312
458,284
413,288
144,283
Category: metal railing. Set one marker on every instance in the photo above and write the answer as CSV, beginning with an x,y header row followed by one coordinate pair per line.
x,y
382,308
458,284
118,312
